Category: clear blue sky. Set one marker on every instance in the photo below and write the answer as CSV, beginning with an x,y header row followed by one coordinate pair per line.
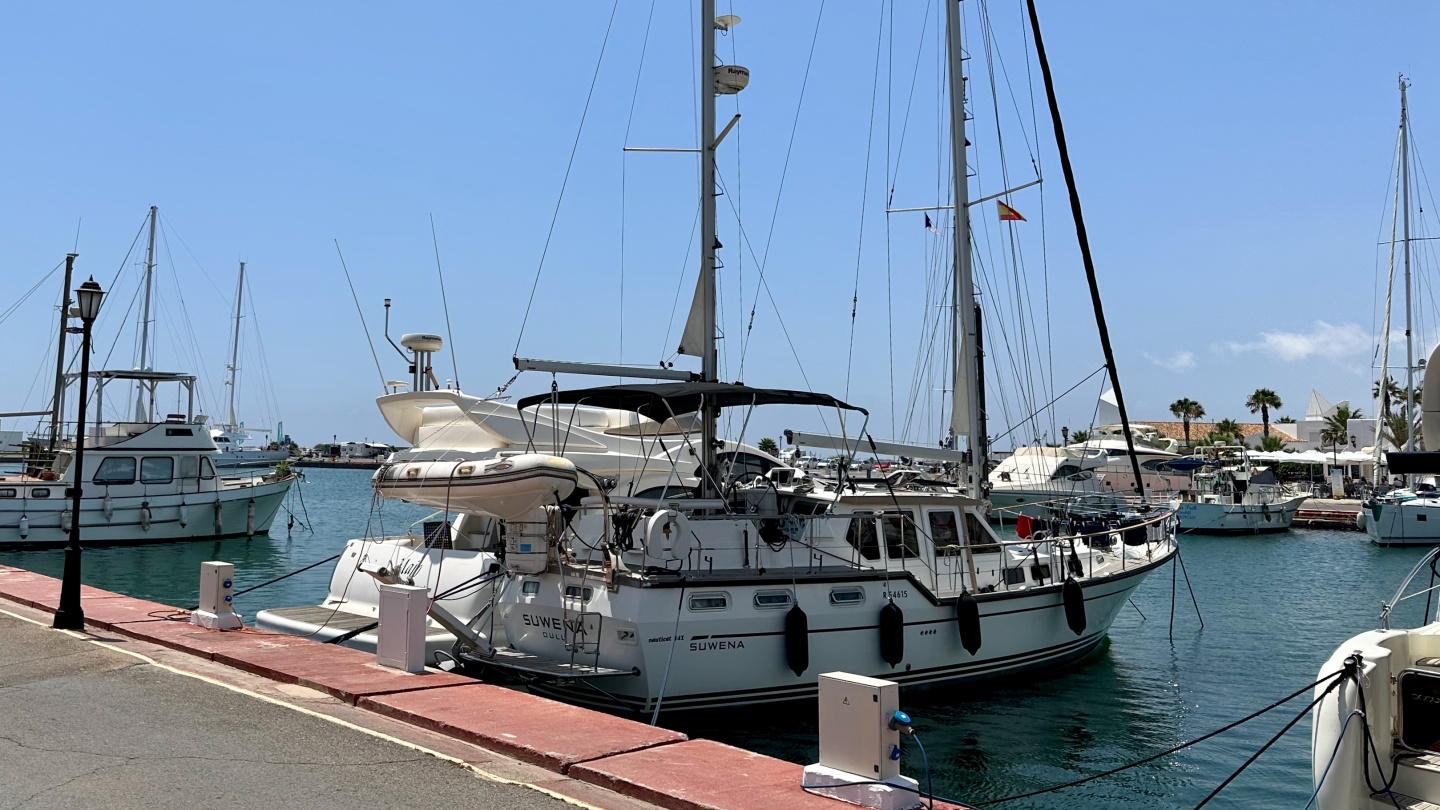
x,y
1233,158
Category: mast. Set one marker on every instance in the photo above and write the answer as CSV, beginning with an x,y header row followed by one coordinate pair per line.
x,y
1405,198
59,400
965,416
1083,237
1382,393
709,368
141,413
235,344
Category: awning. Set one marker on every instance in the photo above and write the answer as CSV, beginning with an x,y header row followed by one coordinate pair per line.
x,y
663,400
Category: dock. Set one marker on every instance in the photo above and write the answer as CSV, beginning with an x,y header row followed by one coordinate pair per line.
x,y
145,709
1328,513
336,463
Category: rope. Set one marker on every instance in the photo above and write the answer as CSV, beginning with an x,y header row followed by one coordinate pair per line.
x,y
282,576
565,181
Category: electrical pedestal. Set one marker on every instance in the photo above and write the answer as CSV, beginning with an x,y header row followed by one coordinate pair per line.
x,y
858,746
217,594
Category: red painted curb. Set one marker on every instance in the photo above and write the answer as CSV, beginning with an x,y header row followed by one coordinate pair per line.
x,y
338,671
543,732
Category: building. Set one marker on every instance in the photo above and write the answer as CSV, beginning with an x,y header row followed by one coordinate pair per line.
x,y
364,450
1300,435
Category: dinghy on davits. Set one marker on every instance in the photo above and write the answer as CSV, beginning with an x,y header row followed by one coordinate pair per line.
x,y
508,487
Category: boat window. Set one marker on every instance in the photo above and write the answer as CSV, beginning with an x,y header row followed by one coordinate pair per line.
x,y
40,493
116,470
189,467
1422,516
847,596
207,471
1065,471
530,586
739,464
157,470
7,493
1014,576
900,539
185,432
773,600
708,601
1041,572
575,592
861,537
943,529
980,539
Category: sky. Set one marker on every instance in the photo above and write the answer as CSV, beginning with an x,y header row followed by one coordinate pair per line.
x,y
1235,163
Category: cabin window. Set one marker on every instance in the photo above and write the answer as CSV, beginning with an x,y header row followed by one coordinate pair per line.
x,y
157,470
116,470
700,602
1422,516
530,587
186,432
861,537
1065,471
207,471
980,539
900,536
841,597
742,463
1014,576
189,467
7,493
40,493
773,600
673,492
943,529
1041,572
576,592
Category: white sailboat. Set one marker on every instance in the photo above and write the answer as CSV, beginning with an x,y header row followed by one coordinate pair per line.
x,y
744,594
1408,517
232,437
1231,494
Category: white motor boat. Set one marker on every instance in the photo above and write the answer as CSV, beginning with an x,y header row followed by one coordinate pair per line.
x,y
1375,740
143,482
1230,495
1097,470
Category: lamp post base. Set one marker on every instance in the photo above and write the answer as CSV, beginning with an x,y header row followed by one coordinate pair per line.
x,y
69,615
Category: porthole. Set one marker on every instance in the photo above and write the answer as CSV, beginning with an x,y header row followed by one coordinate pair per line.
x,y
705,602
847,596
530,587
7,493
773,600
39,493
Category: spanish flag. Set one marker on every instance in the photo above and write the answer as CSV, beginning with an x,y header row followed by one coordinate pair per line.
x,y
1008,214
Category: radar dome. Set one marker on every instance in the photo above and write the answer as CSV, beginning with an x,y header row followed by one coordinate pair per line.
x,y
421,342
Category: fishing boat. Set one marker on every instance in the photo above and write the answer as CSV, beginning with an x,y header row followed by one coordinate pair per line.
x,y
1230,494
147,477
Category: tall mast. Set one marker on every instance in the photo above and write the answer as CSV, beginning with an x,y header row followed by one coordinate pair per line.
x,y
141,412
1382,392
1405,198
965,416
710,367
235,344
59,400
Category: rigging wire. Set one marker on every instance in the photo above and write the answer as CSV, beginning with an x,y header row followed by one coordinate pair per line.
x,y
864,200
565,181
361,313
444,302
624,166
780,189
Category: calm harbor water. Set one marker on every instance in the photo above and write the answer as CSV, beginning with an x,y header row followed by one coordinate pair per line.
x,y
1275,607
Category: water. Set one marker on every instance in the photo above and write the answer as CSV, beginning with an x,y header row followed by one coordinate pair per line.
x,y
1275,608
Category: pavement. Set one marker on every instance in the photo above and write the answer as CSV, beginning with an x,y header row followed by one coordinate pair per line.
x,y
98,720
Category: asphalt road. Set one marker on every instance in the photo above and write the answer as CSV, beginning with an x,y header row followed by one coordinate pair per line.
x,y
82,726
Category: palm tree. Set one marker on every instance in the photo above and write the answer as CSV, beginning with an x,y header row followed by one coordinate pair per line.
x,y
1337,428
1263,400
1080,436
768,445
1395,429
1228,429
1187,409
1393,393
1272,444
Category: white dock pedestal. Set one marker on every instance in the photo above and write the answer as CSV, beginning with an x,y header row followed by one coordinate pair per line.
x,y
217,595
401,641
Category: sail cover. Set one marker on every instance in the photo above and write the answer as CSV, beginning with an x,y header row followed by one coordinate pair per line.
x,y
664,400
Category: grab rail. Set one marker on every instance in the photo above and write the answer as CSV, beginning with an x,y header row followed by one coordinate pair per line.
x,y
1400,596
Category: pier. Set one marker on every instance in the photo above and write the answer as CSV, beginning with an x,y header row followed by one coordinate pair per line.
x,y
144,708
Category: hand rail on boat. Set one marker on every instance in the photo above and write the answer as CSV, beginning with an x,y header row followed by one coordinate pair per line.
x,y
1400,592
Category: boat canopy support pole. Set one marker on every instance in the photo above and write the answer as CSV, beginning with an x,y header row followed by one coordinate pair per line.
x,y
1084,241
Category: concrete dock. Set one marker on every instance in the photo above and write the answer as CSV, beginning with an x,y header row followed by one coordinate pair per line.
x,y
145,709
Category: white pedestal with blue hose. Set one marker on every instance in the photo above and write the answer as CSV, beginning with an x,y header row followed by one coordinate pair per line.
x,y
860,745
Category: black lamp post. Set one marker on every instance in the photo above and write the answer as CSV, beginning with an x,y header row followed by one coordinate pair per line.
x,y
70,616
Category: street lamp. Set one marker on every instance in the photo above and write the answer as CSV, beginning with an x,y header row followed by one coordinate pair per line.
x,y
70,616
